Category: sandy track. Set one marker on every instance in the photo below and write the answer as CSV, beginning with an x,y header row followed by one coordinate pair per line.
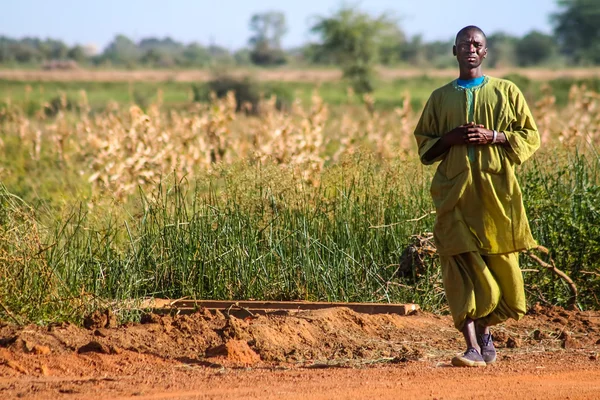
x,y
325,354
283,75
554,376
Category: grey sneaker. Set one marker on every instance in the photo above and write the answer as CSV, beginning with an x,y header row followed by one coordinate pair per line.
x,y
488,351
471,358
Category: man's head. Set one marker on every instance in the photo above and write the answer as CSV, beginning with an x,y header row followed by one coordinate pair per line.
x,y
470,47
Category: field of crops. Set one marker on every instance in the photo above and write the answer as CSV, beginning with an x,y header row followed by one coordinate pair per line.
x,y
318,200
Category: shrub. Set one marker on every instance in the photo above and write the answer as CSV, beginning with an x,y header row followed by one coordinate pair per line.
x,y
248,92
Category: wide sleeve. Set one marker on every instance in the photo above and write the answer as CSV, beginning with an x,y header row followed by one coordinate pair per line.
x,y
522,134
426,132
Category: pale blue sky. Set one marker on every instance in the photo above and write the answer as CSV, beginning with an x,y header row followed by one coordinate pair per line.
x,y
225,22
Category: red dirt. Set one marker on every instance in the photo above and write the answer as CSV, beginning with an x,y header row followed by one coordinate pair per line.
x,y
333,353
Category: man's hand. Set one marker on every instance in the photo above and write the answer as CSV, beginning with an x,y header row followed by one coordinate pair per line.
x,y
478,134
465,134
471,133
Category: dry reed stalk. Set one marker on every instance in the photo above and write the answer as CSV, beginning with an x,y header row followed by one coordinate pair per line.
x,y
122,148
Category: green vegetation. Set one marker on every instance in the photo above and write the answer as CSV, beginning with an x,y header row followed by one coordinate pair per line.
x,y
563,204
35,96
348,38
253,233
320,201
353,40
32,96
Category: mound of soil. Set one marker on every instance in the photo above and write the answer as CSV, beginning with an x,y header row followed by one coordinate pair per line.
x,y
320,338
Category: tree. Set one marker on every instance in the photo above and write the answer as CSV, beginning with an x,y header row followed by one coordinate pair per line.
x,y
195,54
220,55
77,53
535,48
242,57
161,52
577,29
413,51
501,50
268,30
158,57
354,39
51,49
6,49
392,40
24,52
122,50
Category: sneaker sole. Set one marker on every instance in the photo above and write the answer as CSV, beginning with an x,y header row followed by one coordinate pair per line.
x,y
464,362
493,360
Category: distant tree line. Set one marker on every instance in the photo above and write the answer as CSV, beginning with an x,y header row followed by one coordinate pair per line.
x,y
350,38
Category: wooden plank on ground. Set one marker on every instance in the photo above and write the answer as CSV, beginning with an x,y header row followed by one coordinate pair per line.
x,y
263,307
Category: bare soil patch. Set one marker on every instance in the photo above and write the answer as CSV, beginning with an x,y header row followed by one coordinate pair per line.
x,y
281,75
323,354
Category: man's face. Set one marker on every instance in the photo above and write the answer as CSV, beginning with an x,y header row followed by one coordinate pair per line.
x,y
470,49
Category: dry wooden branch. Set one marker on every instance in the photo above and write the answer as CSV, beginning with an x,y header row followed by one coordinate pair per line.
x,y
573,299
10,314
590,273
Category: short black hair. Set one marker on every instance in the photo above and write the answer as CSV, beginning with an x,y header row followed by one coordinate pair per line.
x,y
469,29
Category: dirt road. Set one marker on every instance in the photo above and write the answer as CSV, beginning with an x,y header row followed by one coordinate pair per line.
x,y
325,354
280,75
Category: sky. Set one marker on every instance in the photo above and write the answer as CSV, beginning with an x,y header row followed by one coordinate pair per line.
x,y
226,22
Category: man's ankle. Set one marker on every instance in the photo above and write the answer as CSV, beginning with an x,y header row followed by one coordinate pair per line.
x,y
477,348
482,329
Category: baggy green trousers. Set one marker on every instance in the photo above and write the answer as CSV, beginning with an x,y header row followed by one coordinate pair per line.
x,y
488,288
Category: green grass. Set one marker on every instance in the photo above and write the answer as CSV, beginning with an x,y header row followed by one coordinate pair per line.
x,y
563,204
252,232
387,94
178,94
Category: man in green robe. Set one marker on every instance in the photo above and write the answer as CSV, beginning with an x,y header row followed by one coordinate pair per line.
x,y
478,128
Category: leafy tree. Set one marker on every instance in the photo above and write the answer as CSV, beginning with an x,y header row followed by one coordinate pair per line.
x,y
354,39
392,40
51,49
314,53
77,53
167,44
24,52
413,51
220,55
501,50
577,29
6,53
122,50
439,54
268,29
242,57
158,57
535,48
195,54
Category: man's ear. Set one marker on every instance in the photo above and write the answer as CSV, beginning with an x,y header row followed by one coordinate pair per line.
x,y
485,53
454,50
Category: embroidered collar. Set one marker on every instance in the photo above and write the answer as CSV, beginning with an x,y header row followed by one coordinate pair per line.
x,y
472,84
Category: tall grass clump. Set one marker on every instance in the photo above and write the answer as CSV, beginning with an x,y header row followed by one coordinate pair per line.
x,y
32,288
253,232
562,197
